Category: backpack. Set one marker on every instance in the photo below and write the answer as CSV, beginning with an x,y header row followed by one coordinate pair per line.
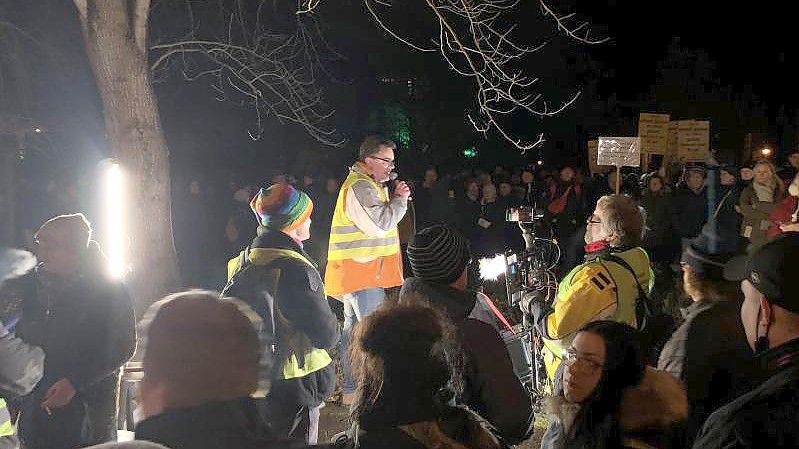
x,y
655,327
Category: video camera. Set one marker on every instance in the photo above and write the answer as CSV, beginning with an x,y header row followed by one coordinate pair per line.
x,y
530,270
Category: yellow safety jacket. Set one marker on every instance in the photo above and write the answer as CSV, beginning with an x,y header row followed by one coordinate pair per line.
x,y
316,358
596,290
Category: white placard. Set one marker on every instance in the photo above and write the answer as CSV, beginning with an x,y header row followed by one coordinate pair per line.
x,y
620,151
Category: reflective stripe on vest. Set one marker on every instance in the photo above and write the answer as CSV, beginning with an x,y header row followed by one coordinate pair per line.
x,y
347,241
316,358
6,428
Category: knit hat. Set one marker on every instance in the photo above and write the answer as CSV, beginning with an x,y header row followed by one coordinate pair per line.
x,y
711,249
438,254
281,207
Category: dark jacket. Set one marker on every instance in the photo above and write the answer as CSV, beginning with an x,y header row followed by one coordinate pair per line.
x,y
767,415
689,212
567,207
709,354
455,429
231,424
645,416
86,330
492,389
300,298
658,218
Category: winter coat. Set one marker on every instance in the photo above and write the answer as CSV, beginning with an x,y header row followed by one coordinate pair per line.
x,y
781,214
86,330
765,417
457,428
646,414
491,239
658,218
689,212
468,214
492,388
300,299
567,207
233,424
708,353
756,214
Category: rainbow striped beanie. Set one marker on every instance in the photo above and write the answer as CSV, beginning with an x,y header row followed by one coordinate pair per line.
x,y
281,207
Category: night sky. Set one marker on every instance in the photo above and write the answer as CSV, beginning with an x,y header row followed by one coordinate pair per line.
x,y
746,51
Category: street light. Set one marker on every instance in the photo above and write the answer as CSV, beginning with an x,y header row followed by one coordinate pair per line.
x,y
765,152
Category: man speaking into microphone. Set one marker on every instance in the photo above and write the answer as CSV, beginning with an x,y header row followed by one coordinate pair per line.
x,y
363,256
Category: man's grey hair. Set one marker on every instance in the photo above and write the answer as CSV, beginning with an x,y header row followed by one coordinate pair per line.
x,y
371,145
621,220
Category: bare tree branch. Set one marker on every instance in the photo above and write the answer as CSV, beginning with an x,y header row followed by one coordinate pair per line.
x,y
275,73
581,32
474,40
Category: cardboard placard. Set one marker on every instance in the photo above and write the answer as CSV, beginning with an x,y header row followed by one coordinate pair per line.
x,y
593,166
693,140
619,151
653,129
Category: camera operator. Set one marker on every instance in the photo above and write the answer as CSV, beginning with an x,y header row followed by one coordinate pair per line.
x,y
602,288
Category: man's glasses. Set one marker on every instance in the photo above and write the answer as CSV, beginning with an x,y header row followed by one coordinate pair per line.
x,y
389,162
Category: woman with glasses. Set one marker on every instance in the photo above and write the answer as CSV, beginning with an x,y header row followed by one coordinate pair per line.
x,y
609,398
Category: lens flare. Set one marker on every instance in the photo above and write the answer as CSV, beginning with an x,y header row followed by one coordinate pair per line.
x,y
491,268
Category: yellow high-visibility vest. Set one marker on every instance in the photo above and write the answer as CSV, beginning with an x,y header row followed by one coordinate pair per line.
x,y
347,241
316,358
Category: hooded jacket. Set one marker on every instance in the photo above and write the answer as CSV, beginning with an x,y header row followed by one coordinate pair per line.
x,y
492,388
646,413
709,354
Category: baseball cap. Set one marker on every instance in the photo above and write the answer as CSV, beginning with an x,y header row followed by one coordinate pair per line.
x,y
772,270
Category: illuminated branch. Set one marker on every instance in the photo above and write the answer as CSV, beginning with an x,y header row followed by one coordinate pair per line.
x,y
474,42
276,74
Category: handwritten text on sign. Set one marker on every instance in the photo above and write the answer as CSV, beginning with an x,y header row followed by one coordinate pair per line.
x,y
621,151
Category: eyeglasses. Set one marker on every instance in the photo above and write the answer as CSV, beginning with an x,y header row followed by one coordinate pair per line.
x,y
571,358
389,162
592,221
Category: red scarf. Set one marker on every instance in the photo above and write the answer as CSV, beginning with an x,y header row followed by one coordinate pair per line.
x,y
599,245
557,206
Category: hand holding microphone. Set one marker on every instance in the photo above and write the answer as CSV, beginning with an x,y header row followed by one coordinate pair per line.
x,y
401,188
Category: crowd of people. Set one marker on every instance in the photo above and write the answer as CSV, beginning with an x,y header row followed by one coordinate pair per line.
x,y
251,366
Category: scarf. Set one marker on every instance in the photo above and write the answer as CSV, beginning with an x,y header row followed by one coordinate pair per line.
x,y
765,192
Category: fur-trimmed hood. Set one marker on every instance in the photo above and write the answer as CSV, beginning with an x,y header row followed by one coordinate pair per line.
x,y
656,403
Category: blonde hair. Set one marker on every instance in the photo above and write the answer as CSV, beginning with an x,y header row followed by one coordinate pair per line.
x,y
621,220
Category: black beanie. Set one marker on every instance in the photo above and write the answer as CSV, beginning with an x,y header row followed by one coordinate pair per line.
x,y
438,254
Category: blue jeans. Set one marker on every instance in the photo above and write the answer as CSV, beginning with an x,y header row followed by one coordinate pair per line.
x,y
357,306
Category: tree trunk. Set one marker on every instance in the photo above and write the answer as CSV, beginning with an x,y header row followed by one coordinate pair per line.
x,y
115,34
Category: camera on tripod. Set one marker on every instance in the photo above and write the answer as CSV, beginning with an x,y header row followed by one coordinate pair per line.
x,y
531,269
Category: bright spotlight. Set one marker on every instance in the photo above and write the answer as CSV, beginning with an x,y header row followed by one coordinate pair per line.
x,y
766,152
114,218
540,162
491,268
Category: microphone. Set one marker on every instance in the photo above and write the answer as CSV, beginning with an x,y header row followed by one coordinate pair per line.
x,y
392,182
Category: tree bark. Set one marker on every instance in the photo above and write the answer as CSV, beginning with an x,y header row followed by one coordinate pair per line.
x,y
115,33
